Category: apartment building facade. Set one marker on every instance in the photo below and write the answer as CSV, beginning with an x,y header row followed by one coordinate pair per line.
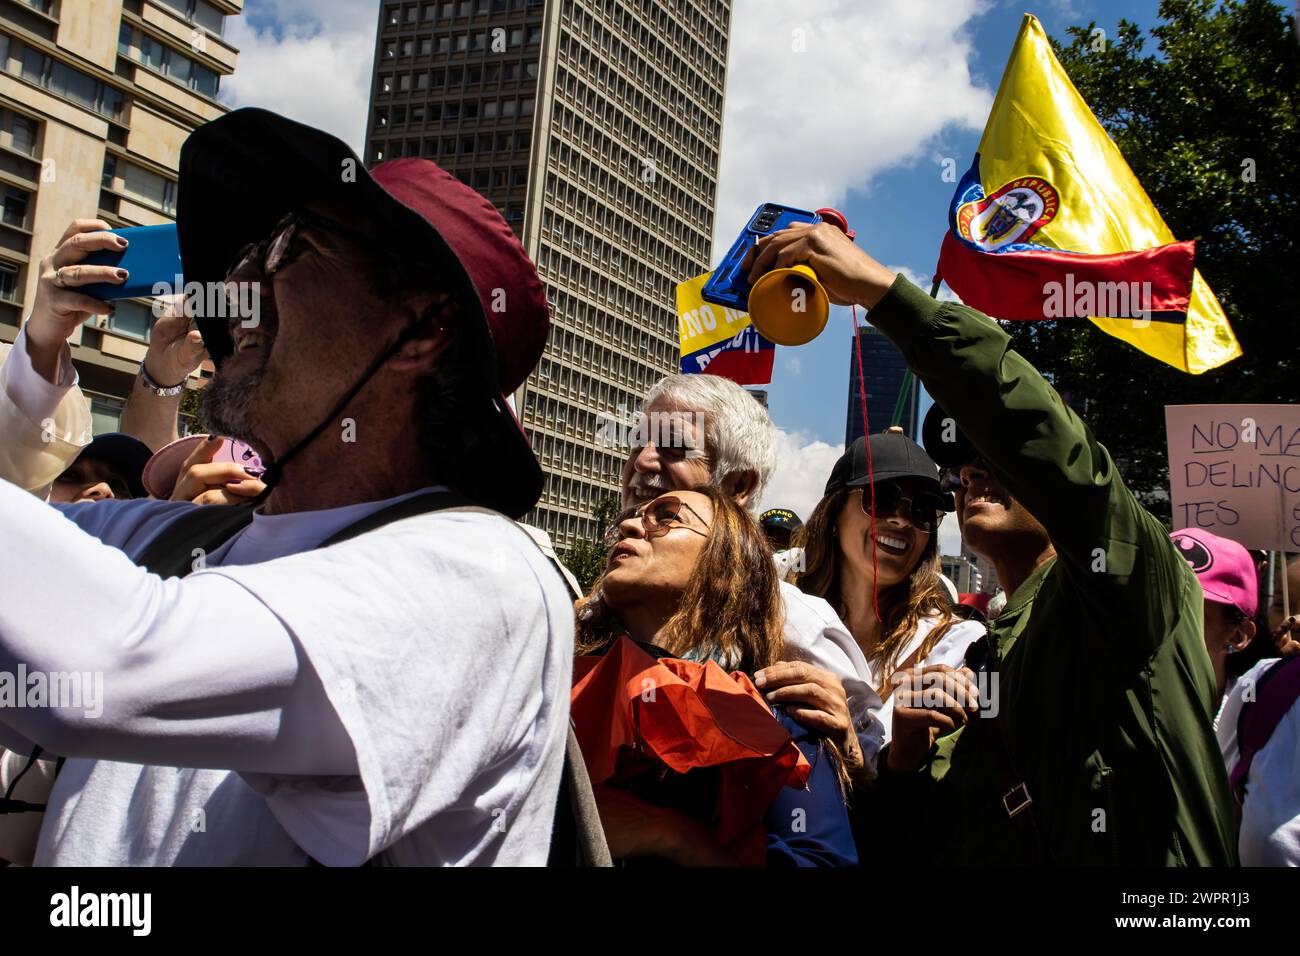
x,y
595,127
96,98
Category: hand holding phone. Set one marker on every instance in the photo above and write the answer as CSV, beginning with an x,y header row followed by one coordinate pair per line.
x,y
151,258
729,284
61,305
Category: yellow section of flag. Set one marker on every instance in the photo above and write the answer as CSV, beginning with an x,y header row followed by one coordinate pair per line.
x,y
1041,126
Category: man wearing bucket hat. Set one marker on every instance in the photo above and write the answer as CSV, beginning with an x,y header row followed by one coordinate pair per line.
x,y
369,662
1098,746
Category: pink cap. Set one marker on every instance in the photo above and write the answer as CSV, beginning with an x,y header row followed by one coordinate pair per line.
x,y
164,468
1224,568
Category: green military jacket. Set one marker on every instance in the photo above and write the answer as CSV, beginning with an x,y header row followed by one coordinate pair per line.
x,y
1105,684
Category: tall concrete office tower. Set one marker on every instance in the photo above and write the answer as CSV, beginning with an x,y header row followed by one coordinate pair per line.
x,y
594,126
96,97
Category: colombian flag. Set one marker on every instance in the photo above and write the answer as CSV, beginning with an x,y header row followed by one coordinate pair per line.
x,y
1050,222
720,341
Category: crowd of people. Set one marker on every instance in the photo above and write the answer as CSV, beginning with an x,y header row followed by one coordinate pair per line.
x,y
324,635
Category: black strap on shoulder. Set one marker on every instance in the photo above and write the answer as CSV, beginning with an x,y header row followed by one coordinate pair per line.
x,y
204,528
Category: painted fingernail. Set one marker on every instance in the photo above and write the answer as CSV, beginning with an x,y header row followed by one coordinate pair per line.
x,y
760,679
122,242
122,275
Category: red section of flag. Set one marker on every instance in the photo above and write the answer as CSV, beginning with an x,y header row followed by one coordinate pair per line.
x,y
744,368
1019,285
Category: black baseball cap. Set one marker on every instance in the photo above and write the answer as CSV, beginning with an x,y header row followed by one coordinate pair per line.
x,y
779,524
893,455
944,441
123,453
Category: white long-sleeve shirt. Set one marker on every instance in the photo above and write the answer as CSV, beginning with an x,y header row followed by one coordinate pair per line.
x,y
814,633
43,425
1270,811
405,691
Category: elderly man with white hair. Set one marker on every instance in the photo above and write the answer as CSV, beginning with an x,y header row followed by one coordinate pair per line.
x,y
704,430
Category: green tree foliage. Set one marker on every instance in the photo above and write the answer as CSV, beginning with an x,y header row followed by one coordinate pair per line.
x,y
1207,121
586,559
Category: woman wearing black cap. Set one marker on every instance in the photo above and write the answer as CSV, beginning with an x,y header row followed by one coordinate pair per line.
x,y
892,601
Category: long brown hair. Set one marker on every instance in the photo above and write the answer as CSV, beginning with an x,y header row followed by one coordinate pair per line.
x,y
731,608
902,606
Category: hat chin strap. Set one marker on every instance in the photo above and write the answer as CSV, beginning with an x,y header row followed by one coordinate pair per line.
x,y
271,477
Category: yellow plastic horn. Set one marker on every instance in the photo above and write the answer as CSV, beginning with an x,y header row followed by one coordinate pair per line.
x,y
789,306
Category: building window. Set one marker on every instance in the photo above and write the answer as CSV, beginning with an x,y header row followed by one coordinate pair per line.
x,y
105,414
131,319
56,76
13,207
8,282
140,184
199,12
167,61
18,132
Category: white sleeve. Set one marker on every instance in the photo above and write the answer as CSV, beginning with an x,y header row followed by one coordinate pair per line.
x,y
1270,812
119,664
43,426
814,633
951,648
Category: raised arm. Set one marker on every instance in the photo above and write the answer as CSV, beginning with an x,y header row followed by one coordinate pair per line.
x,y
44,421
175,351
1046,457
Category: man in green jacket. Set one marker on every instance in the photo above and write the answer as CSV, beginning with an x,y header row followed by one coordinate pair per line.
x,y
1093,742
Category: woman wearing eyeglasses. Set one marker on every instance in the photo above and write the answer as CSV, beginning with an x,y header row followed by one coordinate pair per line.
x,y
889,594
691,576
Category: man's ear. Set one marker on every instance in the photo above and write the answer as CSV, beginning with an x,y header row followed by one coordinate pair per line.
x,y
741,485
1242,635
422,350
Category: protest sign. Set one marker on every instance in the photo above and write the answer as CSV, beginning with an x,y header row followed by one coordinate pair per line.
x,y
1234,470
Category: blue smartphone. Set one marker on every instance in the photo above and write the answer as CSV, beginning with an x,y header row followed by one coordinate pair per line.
x,y
729,284
153,257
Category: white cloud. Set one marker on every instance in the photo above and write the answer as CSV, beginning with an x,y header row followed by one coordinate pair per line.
x,y
873,85
802,466
925,281
313,66
794,365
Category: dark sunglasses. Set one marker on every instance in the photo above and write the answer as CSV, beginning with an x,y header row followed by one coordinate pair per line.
x,y
279,248
923,509
657,518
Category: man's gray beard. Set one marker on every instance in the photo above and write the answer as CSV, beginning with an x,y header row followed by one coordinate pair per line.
x,y
226,409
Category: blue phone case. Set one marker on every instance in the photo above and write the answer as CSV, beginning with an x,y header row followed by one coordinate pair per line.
x,y
154,256
729,284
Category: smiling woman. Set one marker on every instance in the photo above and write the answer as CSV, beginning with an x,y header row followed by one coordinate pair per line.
x,y
882,575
